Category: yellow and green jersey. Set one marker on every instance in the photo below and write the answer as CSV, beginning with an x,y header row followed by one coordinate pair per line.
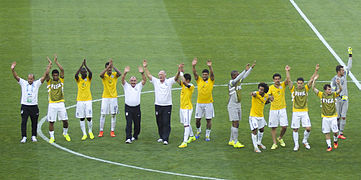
x,y
299,98
84,93
55,90
328,104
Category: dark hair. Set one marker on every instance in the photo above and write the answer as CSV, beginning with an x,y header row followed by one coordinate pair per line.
x,y
233,73
264,85
106,64
338,68
187,76
275,75
205,71
300,79
55,71
326,86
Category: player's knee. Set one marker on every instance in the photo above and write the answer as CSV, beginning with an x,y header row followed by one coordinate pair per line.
x,y
343,118
261,130
89,119
308,129
295,130
82,119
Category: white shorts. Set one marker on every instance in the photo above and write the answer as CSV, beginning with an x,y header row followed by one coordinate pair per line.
x,y
84,109
57,109
204,110
257,122
109,106
278,117
185,116
300,116
234,112
329,124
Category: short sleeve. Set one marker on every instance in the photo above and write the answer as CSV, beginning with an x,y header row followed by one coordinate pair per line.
x,y
171,80
61,80
319,94
153,79
307,88
199,79
21,81
283,84
293,89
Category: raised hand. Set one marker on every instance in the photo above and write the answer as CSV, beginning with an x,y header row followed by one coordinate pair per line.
x,y
247,67
209,63
194,62
145,63
180,67
317,67
254,64
84,62
49,60
140,69
55,58
287,68
126,69
13,65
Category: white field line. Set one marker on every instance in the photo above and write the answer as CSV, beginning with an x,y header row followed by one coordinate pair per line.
x,y
46,139
357,83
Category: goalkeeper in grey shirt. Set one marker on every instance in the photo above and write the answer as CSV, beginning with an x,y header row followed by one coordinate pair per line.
x,y
342,100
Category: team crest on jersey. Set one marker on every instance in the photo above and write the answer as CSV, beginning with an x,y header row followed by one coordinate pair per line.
x,y
265,98
281,87
112,76
85,79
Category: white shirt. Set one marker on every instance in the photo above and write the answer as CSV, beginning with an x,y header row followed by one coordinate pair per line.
x,y
29,92
163,91
132,95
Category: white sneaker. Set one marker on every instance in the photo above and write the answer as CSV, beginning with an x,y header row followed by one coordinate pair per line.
x,y
257,150
262,146
33,138
128,141
165,143
160,140
307,146
296,148
23,140
133,138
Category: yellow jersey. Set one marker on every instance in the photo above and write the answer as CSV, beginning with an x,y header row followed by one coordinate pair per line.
x,y
258,103
110,85
186,96
205,89
55,90
84,93
279,101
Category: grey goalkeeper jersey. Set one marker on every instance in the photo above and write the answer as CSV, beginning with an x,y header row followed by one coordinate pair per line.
x,y
343,80
234,88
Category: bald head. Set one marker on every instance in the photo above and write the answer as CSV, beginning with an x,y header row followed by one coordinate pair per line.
x,y
133,81
162,75
31,78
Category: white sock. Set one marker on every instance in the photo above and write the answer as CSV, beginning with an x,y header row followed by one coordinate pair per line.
x,y
199,130
190,131
208,132
114,120
335,138
260,136
90,126
231,136
295,138
65,131
254,140
186,134
306,134
82,127
342,125
102,120
328,141
51,134
235,134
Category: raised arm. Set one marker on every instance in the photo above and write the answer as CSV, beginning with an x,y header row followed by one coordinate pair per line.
x,y
339,89
180,67
13,71
90,74
141,70
76,76
116,70
46,74
313,75
248,71
349,63
106,69
60,67
240,76
126,70
288,77
209,64
314,84
194,63
145,66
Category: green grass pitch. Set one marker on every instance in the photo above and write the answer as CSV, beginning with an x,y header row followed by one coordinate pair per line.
x,y
231,33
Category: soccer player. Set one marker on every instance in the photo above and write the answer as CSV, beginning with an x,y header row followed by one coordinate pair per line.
x,y
300,109
29,101
278,114
109,97
234,103
56,101
186,108
163,101
256,117
342,100
84,107
204,107
132,92
329,113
